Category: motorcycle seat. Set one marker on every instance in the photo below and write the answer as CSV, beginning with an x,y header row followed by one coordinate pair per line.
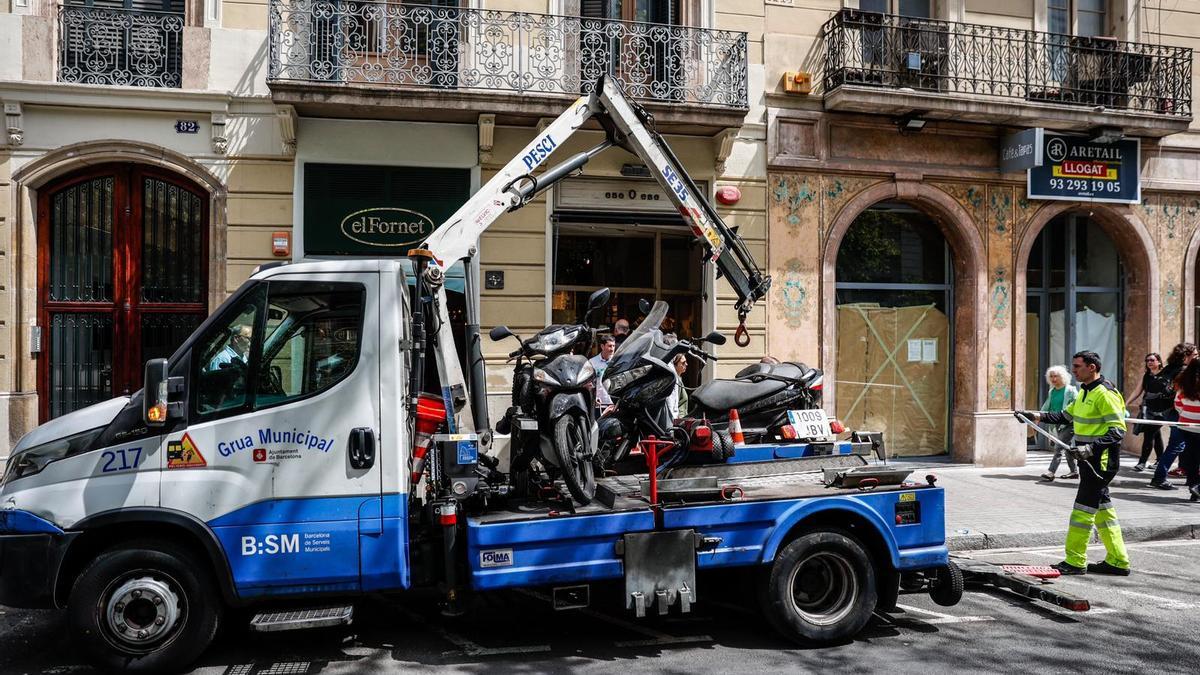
x,y
721,395
787,370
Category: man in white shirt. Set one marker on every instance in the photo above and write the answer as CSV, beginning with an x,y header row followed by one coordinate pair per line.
x,y
608,345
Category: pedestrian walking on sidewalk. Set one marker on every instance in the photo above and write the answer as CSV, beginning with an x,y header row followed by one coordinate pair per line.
x,y
1187,403
1061,395
1098,417
1156,393
1182,355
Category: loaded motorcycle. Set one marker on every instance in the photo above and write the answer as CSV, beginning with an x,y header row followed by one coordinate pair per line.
x,y
641,379
553,414
762,394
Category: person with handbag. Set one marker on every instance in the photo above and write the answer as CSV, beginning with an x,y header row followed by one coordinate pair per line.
x,y
1156,395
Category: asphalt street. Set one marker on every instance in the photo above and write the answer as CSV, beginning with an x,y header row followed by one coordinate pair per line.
x,y
1143,623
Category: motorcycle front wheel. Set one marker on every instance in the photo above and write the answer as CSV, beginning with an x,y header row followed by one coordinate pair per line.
x,y
572,451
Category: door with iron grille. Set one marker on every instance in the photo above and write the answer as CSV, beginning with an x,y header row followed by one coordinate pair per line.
x,y
122,278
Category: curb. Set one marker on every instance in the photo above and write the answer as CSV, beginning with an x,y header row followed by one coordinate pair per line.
x,y
1132,534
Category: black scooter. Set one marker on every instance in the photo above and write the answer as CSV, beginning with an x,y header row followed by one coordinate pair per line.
x,y
553,415
762,394
640,378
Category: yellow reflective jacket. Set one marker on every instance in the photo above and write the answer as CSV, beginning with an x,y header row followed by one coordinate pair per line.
x,y
1096,412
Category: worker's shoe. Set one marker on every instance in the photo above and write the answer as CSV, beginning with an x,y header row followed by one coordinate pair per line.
x,y
1105,568
1162,485
1067,569
1047,476
1074,475
1195,490
1139,467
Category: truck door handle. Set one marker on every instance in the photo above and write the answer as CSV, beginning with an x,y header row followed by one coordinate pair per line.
x,y
362,448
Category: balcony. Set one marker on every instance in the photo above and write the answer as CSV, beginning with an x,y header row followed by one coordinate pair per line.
x,y
391,60
120,47
890,64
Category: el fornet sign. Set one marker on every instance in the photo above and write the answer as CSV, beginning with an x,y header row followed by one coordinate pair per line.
x,y
1077,169
352,209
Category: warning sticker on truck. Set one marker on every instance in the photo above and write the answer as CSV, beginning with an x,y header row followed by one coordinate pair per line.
x,y
183,454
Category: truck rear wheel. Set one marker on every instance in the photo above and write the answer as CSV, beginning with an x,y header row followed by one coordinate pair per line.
x,y
143,607
820,589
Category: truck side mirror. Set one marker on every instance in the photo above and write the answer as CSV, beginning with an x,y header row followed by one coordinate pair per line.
x,y
499,333
157,407
714,338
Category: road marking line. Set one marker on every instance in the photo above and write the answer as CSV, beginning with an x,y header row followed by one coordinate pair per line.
x,y
1165,603
1154,551
940,618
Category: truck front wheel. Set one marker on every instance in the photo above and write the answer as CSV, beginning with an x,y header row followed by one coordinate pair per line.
x,y
144,607
820,589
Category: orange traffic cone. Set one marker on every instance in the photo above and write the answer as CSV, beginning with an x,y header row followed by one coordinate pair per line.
x,y
735,429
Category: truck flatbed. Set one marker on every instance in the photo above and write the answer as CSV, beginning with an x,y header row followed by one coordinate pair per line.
x,y
545,545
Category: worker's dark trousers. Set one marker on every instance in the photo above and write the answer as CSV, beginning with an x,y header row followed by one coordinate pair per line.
x,y
1093,507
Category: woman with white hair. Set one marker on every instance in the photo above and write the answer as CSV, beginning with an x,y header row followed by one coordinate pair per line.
x,y
1061,395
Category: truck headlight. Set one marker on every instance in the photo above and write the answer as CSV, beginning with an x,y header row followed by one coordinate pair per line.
x,y
32,461
616,383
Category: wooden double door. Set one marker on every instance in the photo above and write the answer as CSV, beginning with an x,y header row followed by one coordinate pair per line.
x,y
122,278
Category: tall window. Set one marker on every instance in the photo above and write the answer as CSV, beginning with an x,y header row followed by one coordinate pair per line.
x,y
122,42
122,278
1075,295
894,335
920,9
1090,17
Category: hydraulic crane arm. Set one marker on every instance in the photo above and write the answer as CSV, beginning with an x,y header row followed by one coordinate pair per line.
x,y
626,125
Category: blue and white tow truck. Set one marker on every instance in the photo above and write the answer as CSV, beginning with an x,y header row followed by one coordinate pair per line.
x,y
267,464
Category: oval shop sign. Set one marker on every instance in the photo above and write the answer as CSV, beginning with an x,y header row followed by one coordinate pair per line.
x,y
387,226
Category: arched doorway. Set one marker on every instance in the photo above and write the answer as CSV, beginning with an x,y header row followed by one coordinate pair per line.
x,y
122,278
1075,300
894,288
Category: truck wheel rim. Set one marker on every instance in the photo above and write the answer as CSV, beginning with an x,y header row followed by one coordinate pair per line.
x,y
823,588
142,611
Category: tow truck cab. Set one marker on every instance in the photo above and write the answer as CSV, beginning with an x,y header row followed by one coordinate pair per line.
x,y
283,461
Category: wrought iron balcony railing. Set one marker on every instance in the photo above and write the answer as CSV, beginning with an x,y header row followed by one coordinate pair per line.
x,y
393,44
883,50
120,47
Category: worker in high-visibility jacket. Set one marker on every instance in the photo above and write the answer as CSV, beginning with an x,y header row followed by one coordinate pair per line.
x,y
1098,417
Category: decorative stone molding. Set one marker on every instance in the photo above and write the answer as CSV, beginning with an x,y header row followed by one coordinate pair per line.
x,y
220,143
723,143
544,122
13,124
487,132
286,115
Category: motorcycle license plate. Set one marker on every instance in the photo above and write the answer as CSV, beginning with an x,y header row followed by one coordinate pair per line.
x,y
810,423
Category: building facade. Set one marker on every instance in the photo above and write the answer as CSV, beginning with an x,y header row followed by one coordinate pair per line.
x,y
155,153
928,282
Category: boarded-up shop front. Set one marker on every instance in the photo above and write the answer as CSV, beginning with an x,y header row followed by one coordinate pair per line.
x,y
894,338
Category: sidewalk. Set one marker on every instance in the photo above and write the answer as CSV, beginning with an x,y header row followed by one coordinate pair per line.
x,y
1012,507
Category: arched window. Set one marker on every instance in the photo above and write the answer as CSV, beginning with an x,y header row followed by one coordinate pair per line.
x,y
894,284
1075,295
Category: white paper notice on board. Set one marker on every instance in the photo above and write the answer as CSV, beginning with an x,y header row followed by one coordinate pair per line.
x,y
929,349
914,350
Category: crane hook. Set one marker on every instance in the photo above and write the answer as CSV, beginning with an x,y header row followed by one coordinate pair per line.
x,y
741,337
